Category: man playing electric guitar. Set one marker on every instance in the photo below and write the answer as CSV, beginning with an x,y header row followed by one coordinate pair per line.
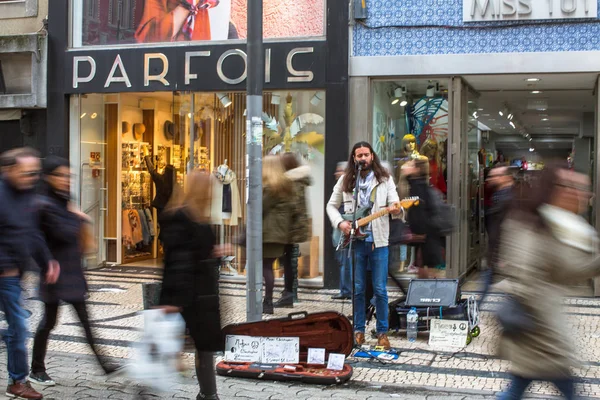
x,y
376,191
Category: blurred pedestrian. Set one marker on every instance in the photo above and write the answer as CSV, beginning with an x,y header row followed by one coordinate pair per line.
x,y
20,239
341,254
278,206
300,175
63,228
546,245
500,181
191,273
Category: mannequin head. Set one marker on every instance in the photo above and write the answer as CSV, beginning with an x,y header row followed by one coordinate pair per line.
x,y
409,143
430,149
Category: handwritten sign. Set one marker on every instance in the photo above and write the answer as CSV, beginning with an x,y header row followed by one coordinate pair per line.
x,y
243,348
280,350
336,362
316,356
448,333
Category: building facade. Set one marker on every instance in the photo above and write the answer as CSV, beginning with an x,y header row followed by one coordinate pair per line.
x,y
23,56
127,83
474,81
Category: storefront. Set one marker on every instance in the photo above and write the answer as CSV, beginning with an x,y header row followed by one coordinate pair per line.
x,y
128,113
467,78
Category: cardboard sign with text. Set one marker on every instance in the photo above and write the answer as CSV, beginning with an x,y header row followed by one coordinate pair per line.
x,y
448,333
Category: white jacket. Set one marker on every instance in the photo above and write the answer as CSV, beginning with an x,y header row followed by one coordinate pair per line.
x,y
385,196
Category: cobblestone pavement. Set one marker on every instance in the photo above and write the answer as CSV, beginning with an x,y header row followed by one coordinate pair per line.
x,y
421,372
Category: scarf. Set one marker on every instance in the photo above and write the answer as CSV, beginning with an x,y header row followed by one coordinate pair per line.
x,y
188,26
364,194
569,228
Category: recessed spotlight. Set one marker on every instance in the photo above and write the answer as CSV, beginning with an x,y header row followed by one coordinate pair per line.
x,y
533,79
531,149
501,113
83,115
395,101
544,119
513,125
480,109
535,92
403,103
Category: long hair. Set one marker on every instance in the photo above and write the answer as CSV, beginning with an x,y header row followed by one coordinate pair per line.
x,y
349,181
195,199
274,178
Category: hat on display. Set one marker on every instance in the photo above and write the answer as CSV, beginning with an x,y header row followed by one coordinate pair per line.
x,y
138,131
125,127
170,130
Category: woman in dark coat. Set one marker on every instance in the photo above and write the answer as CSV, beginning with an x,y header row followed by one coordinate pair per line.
x,y
419,217
191,274
62,227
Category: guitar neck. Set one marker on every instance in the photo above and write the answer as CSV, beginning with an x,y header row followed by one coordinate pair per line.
x,y
367,220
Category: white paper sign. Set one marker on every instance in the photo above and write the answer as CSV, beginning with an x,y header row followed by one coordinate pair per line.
x,y
316,356
243,348
448,333
336,362
280,350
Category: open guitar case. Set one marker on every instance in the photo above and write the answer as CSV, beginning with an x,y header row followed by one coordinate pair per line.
x,y
329,330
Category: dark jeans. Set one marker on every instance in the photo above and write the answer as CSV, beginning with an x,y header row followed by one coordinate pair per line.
x,y
518,386
205,373
40,342
16,334
377,259
269,278
290,267
345,272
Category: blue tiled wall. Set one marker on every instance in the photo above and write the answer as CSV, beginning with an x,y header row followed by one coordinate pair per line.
x,y
411,27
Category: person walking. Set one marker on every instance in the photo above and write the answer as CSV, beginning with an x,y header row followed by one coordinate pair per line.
x,y
545,246
278,207
376,191
63,228
299,228
501,181
190,283
20,239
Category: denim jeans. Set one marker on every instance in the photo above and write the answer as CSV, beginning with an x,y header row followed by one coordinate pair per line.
x,y
377,259
16,334
345,272
518,385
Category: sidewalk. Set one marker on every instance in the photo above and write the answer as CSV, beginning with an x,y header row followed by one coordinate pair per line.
x,y
472,371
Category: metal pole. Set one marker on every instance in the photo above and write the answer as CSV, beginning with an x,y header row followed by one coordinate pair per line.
x,y
254,127
191,165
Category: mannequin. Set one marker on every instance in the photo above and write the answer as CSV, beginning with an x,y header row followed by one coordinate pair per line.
x,y
226,198
409,147
430,149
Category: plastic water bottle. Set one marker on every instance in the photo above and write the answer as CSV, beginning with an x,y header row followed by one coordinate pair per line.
x,y
411,324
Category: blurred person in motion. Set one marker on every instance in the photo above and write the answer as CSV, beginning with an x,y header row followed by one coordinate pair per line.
x,y
545,245
190,283
500,182
20,239
376,191
341,255
63,228
298,233
278,207
419,218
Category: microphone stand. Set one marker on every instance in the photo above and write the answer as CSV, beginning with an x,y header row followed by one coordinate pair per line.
x,y
351,250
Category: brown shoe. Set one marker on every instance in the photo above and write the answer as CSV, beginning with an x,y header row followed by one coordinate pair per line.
x,y
359,338
383,341
22,390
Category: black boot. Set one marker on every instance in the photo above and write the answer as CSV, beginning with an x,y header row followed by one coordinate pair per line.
x,y
205,373
286,300
207,397
268,307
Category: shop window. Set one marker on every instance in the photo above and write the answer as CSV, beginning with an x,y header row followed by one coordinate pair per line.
x,y
178,131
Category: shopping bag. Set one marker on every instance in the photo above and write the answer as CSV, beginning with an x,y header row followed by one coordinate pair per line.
x,y
156,355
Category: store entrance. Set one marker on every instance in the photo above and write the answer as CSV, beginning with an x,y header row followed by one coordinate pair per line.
x,y
525,122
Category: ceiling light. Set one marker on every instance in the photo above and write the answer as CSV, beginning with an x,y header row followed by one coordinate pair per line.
x,y
544,119
513,125
475,114
480,109
83,115
470,101
316,99
93,116
486,115
225,100
403,103
530,139
531,149
492,119
510,116
189,115
533,79
535,92
245,112
275,99
395,101
501,113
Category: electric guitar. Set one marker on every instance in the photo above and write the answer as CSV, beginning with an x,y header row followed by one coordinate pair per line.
x,y
364,218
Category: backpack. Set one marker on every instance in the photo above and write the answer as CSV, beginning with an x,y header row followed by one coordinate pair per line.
x,y
443,218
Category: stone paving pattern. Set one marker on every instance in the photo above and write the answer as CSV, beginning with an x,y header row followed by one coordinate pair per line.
x,y
421,372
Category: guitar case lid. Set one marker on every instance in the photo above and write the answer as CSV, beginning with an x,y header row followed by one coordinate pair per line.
x,y
331,331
